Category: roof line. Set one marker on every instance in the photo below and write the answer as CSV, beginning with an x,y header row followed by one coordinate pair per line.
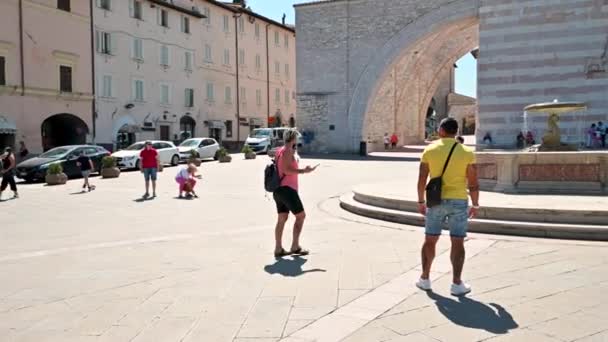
x,y
236,9
319,2
178,8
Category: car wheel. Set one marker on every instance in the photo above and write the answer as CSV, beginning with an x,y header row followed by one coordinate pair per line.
x,y
175,160
216,156
137,165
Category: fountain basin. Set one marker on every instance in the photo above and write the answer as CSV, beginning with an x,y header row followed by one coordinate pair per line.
x,y
581,172
552,139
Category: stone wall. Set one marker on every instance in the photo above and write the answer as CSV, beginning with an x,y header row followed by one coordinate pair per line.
x,y
536,51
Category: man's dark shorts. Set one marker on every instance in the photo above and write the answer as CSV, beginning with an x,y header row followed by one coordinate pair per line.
x,y
287,200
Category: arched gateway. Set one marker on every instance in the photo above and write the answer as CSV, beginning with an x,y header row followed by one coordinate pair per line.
x,y
369,67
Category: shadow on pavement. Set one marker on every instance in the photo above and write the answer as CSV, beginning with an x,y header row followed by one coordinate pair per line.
x,y
290,267
470,313
81,192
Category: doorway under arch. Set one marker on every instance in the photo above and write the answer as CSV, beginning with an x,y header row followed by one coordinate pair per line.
x,y
63,129
187,127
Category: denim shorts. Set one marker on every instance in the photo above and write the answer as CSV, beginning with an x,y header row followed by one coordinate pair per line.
x,y
150,173
452,213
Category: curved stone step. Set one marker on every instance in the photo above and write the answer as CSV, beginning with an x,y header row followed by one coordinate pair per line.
x,y
518,228
558,216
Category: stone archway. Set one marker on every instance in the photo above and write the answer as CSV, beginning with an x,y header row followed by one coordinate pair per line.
x,y
187,127
414,58
63,129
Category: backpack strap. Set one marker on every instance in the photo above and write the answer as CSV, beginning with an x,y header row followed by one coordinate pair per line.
x,y
445,166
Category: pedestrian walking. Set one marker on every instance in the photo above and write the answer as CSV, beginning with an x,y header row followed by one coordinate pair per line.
x,y
149,165
601,129
8,172
451,167
186,178
394,140
591,136
86,165
23,151
387,141
286,197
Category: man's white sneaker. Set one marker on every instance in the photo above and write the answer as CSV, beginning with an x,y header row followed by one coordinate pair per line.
x,y
460,289
424,284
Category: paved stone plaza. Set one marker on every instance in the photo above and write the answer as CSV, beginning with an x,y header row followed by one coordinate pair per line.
x,y
102,266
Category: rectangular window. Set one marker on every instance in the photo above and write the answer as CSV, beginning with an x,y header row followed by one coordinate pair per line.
x,y
226,57
164,55
135,9
286,39
138,49
287,93
277,68
107,86
207,13
164,94
226,23
189,97
277,40
65,79
64,5
277,95
208,54
241,57
138,90
229,129
104,4
241,24
188,60
2,70
185,24
105,43
228,95
258,62
163,17
258,97
287,70
257,31
243,95
210,92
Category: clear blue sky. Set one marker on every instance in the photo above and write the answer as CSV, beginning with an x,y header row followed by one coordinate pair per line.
x,y
466,74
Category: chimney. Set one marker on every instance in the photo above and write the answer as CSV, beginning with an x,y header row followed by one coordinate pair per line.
x,y
284,16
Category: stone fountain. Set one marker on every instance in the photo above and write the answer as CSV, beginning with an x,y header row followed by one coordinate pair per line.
x,y
552,138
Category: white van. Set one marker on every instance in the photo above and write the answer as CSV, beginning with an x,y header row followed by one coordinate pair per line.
x,y
260,140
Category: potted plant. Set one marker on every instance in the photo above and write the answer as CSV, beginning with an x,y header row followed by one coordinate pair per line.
x,y
108,167
249,152
55,175
194,158
223,155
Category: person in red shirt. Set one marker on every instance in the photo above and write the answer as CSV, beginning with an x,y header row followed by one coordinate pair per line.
x,y
148,165
394,140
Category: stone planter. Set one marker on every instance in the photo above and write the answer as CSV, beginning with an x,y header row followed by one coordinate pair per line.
x,y
225,159
250,155
112,172
197,162
56,179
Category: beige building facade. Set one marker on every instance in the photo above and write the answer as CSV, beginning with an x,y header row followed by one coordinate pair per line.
x,y
45,73
189,69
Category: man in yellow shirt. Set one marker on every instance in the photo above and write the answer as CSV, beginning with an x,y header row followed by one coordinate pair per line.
x,y
459,174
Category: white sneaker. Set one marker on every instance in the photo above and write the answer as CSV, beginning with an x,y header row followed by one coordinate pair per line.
x,y
460,289
424,284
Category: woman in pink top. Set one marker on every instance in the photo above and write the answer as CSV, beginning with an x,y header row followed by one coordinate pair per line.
x,y
286,196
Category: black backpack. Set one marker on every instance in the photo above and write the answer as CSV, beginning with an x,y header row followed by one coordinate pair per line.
x,y
272,180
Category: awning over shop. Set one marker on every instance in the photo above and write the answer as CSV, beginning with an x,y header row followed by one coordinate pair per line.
x,y
129,129
6,126
256,122
216,124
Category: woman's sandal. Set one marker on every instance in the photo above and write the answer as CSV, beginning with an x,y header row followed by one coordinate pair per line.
x,y
281,254
300,251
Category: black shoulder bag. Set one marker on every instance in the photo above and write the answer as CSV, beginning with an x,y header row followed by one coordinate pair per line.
x,y
433,188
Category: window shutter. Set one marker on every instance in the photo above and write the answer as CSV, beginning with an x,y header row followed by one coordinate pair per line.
x,y
98,3
113,44
158,16
98,44
132,8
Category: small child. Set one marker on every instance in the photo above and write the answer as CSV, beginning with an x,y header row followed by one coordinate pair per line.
x,y
186,180
86,165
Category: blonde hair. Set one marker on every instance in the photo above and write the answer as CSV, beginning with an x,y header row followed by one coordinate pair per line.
x,y
290,135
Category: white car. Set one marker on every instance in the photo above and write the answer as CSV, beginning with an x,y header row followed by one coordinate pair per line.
x,y
205,148
260,140
128,158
